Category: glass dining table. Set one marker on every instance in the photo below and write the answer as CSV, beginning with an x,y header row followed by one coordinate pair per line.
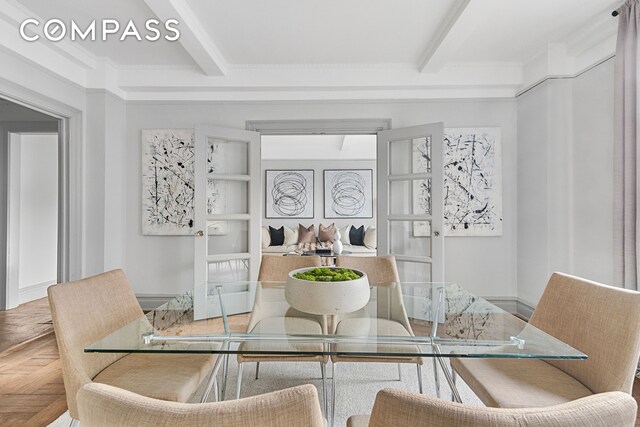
x,y
438,321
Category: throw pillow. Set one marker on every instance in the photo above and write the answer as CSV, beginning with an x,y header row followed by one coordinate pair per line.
x,y
290,236
371,237
327,234
266,237
306,235
277,236
344,235
356,235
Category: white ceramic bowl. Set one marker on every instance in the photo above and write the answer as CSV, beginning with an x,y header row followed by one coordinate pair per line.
x,y
327,297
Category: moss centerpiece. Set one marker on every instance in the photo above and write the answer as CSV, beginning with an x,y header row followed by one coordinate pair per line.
x,y
327,290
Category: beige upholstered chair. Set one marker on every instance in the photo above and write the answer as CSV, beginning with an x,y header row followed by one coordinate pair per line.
x,y
102,405
87,310
398,408
601,321
390,317
275,268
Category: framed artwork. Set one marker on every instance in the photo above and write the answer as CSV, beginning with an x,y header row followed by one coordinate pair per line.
x,y
472,183
348,193
168,178
289,193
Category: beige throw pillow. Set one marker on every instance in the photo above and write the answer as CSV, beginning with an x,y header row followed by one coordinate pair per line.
x,y
266,238
290,236
344,235
306,235
327,234
371,237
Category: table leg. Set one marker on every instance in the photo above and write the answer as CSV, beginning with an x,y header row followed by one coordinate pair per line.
x,y
436,377
455,395
213,382
334,370
225,373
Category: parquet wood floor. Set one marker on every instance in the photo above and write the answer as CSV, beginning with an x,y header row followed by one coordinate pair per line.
x,y
31,387
24,323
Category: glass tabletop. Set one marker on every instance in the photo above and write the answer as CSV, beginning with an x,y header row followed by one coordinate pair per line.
x,y
399,319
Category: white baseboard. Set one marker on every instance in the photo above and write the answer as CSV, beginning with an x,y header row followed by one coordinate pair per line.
x,y
34,292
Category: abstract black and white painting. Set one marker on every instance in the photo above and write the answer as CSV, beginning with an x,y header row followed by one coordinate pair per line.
x,y
167,181
348,193
472,181
289,194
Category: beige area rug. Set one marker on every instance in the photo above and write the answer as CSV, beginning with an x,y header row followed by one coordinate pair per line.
x,y
357,383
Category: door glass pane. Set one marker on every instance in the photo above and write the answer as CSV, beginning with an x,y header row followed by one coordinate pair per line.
x,y
400,157
229,270
421,155
227,157
408,197
410,156
228,237
227,197
411,271
410,238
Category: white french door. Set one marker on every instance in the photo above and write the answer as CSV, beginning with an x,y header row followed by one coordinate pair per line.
x,y
410,205
227,202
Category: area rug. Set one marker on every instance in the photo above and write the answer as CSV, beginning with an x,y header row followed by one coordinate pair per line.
x,y
357,383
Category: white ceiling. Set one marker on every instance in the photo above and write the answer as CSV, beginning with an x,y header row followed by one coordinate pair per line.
x,y
331,49
322,32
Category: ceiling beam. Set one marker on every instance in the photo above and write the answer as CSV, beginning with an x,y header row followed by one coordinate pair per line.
x,y
193,36
343,143
441,34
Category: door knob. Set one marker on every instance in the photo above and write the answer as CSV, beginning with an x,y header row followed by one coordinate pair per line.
x,y
436,233
199,233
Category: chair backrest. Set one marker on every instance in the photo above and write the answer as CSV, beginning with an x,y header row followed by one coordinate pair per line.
x,y
274,268
382,272
103,405
601,321
399,408
83,312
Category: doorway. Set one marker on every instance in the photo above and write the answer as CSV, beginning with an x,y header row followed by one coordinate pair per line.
x,y
320,181
31,152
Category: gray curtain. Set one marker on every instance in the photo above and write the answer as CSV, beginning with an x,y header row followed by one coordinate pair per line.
x,y
626,160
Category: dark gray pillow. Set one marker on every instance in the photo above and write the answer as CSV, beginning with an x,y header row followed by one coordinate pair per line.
x,y
356,236
277,236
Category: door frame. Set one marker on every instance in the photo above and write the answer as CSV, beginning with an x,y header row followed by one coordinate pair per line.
x,y
320,126
70,187
13,205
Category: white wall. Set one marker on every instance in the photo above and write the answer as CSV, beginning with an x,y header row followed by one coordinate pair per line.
x,y
104,182
38,210
565,172
318,166
164,264
593,173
